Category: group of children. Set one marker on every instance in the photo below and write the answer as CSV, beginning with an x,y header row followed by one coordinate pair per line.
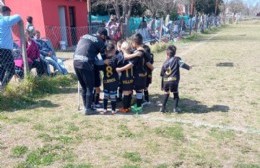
x,y
128,67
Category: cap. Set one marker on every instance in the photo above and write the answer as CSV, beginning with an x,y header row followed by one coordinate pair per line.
x,y
4,9
102,31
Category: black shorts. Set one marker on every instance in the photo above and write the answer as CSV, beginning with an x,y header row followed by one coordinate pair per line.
x,y
97,78
139,83
110,86
127,85
148,80
170,87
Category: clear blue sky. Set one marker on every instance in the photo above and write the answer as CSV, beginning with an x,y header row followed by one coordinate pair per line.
x,y
251,2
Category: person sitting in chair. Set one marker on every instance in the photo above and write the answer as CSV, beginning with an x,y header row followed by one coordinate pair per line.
x,y
47,53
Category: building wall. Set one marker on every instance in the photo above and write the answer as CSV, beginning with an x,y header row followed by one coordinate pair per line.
x,y
46,17
52,22
30,8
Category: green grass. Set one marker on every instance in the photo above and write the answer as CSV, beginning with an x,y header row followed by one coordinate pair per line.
x,y
45,137
56,134
78,166
19,151
23,94
221,135
174,132
132,156
162,166
18,120
72,127
42,156
243,165
64,139
125,132
131,166
38,127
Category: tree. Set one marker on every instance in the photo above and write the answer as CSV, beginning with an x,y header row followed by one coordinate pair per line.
x,y
237,6
208,6
120,7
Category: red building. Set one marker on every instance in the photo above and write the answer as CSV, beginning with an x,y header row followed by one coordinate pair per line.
x,y
57,20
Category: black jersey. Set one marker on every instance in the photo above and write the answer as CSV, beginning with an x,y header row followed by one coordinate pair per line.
x,y
171,70
126,79
128,74
139,68
150,59
111,78
87,50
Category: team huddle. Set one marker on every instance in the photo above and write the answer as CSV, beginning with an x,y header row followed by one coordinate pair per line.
x,y
127,68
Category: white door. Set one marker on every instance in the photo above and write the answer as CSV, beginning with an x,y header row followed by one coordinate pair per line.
x,y
63,29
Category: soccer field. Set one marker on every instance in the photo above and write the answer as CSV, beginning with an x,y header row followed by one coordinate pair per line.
x,y
219,125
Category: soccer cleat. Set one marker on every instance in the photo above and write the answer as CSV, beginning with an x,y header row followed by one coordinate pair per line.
x,y
137,110
90,112
134,107
97,106
163,109
123,110
113,112
104,111
146,103
176,110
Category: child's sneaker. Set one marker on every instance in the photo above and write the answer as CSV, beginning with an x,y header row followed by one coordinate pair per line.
x,y
134,107
123,110
176,110
163,109
97,106
137,110
113,112
146,103
104,111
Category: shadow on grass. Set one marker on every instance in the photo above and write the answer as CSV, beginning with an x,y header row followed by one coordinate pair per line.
x,y
225,64
186,105
12,105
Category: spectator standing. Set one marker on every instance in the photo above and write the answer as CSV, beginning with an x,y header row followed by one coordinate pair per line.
x,y
29,26
113,28
6,44
143,24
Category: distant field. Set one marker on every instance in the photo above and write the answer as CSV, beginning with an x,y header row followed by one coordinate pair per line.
x,y
219,125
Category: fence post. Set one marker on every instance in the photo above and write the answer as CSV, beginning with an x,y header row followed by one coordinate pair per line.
x,y
161,29
23,48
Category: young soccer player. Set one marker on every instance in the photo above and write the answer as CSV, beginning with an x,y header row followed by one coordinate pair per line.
x,y
149,57
127,80
120,56
110,79
170,74
97,90
138,63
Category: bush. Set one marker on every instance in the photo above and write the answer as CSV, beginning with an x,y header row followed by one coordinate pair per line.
x,y
21,94
159,47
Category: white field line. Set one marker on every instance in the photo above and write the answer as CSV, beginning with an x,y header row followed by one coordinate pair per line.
x,y
192,48
186,122
203,124
198,123
189,122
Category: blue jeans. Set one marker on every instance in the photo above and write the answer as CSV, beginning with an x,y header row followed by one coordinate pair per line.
x,y
57,64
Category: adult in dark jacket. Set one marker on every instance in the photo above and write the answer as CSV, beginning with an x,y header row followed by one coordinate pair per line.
x,y
88,47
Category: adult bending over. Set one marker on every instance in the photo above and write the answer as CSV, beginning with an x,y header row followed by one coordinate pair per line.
x,y
88,47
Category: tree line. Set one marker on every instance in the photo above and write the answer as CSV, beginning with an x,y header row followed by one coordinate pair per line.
x,y
127,8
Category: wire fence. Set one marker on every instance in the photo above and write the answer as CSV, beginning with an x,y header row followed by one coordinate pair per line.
x,y
47,55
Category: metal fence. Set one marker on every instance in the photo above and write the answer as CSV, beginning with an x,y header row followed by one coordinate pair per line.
x,y
46,55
